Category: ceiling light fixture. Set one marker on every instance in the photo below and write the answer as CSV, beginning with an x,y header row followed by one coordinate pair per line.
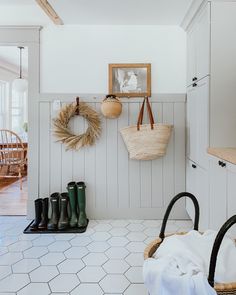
x,y
20,84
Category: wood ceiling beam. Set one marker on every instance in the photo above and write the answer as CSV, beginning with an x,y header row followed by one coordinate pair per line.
x,y
51,13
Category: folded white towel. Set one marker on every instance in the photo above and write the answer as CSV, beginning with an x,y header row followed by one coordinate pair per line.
x,y
183,265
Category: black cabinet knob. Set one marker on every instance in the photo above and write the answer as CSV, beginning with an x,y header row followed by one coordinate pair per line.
x,y
222,164
194,84
194,79
194,166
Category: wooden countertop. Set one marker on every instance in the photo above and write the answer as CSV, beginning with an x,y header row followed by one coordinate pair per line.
x,y
227,154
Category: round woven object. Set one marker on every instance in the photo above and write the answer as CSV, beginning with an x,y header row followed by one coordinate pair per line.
x,y
221,289
65,135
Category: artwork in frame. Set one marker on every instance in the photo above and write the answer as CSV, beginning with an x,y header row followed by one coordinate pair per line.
x,y
130,80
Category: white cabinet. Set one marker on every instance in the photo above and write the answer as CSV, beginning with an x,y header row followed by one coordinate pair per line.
x,y
198,122
198,47
217,194
197,184
222,181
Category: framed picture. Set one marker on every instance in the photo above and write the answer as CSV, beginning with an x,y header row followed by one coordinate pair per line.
x,y
130,80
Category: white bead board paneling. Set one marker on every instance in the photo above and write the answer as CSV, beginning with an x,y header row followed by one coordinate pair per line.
x,y
117,187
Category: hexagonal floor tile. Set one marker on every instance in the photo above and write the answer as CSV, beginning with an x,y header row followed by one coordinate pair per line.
x,y
118,232
136,236
115,266
3,250
36,289
7,241
102,227
64,283
43,274
135,259
59,246
35,252
135,247
100,236
114,283
136,227
95,259
117,253
20,246
152,232
119,223
152,223
24,237
52,258
98,247
14,282
64,237
89,289
4,271
76,252
136,289
135,274
25,265
91,274
71,266
118,241
10,258
80,241
44,240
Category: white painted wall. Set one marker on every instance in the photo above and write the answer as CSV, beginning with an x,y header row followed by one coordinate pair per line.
x,y
74,59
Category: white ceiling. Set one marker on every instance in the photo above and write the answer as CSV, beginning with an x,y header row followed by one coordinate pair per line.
x,y
122,12
10,58
96,12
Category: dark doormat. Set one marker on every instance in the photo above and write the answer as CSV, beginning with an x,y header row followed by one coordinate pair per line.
x,y
69,230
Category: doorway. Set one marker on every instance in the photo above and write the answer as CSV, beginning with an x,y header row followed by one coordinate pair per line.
x,y
13,130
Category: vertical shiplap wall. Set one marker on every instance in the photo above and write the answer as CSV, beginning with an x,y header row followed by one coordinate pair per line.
x,y
117,187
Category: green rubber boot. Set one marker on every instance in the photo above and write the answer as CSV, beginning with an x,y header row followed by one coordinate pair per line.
x,y
71,187
63,222
53,222
82,222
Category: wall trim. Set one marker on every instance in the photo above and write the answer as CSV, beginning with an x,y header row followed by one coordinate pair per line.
x,y
194,8
94,97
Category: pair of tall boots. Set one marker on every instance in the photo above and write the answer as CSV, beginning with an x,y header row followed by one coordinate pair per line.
x,y
77,200
41,215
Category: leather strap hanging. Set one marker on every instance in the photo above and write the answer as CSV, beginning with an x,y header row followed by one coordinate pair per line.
x,y
150,114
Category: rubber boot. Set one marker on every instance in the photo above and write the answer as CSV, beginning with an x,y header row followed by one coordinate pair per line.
x,y
82,222
64,218
38,214
44,217
72,189
53,222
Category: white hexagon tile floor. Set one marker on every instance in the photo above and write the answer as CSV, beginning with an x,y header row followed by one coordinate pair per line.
x,y
106,259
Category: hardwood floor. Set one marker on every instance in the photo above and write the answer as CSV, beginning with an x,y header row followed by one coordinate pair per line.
x,y
13,201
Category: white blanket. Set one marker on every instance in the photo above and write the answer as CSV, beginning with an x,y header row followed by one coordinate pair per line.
x,y
183,264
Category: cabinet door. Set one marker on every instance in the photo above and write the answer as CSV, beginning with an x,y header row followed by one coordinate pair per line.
x,y
218,194
231,192
203,43
202,122
191,54
190,186
202,194
191,123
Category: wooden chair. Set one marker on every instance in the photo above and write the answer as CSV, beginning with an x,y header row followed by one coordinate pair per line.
x,y
12,154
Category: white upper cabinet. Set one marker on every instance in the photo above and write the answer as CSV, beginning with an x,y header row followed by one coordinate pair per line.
x,y
198,122
198,47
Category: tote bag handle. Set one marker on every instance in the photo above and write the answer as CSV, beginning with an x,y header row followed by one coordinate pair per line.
x,y
150,114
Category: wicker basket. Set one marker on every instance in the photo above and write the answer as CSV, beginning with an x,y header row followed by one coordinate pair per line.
x,y
221,289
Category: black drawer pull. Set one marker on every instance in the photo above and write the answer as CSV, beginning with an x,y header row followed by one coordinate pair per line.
x,y
222,164
194,84
194,166
194,79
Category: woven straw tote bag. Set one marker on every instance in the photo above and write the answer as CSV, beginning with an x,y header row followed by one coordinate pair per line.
x,y
146,141
221,289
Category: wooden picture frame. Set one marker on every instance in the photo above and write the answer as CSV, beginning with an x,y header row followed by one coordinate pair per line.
x,y
130,80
